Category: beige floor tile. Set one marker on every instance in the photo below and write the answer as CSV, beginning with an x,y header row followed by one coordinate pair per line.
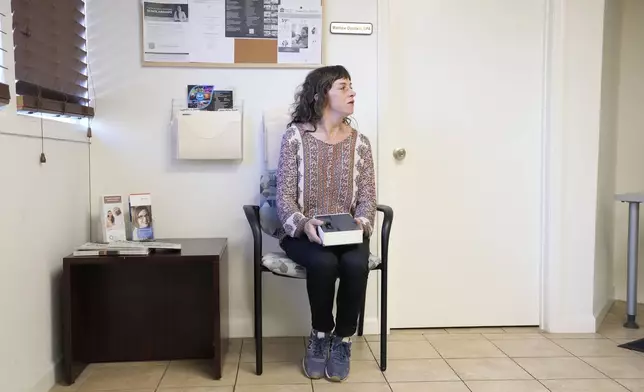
x,y
422,331
488,369
522,330
467,348
277,340
480,330
274,388
123,377
456,336
436,386
418,370
102,365
618,367
617,331
513,336
123,390
583,386
274,352
406,350
362,372
64,388
573,336
621,341
633,385
234,352
196,389
59,387
506,386
594,348
275,373
531,348
558,368
400,337
360,351
351,387
197,373
613,318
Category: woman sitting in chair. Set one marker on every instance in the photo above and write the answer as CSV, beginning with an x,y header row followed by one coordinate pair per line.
x,y
326,167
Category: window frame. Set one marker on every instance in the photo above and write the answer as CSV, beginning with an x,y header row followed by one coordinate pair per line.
x,y
5,93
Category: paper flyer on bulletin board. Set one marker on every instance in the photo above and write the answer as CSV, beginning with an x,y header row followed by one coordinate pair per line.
x,y
210,31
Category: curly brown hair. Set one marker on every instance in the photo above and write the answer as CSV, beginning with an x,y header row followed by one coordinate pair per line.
x,y
311,97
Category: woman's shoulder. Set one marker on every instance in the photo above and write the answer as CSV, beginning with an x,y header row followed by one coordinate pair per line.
x,y
294,130
361,138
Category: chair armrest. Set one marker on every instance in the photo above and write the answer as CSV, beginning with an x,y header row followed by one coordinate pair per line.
x,y
252,215
386,231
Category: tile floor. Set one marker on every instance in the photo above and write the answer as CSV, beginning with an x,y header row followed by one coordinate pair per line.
x,y
435,360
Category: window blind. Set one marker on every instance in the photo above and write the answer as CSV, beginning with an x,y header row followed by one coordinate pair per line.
x,y
50,56
5,95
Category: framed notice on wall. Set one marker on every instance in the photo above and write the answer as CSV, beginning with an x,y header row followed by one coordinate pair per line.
x,y
233,33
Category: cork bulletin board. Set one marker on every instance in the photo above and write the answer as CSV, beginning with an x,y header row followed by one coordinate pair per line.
x,y
233,33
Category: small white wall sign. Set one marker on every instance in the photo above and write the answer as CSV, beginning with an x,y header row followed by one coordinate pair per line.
x,y
351,28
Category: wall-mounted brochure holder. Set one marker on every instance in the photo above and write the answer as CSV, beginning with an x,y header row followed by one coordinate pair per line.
x,y
208,135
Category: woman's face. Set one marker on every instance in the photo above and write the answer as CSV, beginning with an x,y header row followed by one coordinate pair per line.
x,y
109,214
143,218
341,97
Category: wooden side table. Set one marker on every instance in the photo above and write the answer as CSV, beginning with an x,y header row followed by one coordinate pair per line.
x,y
168,305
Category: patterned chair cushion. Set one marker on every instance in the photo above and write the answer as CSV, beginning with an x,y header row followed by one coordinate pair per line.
x,y
279,264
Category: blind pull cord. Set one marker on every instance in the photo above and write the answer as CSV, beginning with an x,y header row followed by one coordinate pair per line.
x,y
43,158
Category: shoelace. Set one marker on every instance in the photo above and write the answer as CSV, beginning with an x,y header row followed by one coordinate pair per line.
x,y
340,352
317,346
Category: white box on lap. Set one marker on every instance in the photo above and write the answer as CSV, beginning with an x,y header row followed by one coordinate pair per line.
x,y
339,229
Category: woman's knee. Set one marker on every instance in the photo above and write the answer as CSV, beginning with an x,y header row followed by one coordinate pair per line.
x,y
322,263
354,264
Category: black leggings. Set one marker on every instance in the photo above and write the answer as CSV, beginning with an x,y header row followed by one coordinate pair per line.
x,y
323,266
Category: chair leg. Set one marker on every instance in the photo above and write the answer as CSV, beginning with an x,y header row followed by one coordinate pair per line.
x,y
259,368
361,316
383,322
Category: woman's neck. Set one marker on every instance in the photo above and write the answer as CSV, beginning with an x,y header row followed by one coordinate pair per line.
x,y
331,125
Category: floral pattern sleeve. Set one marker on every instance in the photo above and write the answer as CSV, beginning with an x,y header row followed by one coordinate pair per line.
x,y
288,208
366,185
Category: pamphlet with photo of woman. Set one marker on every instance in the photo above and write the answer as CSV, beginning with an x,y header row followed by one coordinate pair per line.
x,y
141,217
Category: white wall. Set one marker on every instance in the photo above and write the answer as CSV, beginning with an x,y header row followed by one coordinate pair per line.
x,y
132,149
572,147
604,291
44,212
630,139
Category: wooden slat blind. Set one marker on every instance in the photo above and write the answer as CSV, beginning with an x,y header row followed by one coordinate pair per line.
x,y
50,56
5,95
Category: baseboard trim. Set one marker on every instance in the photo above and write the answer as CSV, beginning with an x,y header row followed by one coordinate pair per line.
x,y
48,381
599,318
242,327
580,324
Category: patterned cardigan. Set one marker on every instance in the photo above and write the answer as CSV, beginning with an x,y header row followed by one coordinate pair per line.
x,y
318,178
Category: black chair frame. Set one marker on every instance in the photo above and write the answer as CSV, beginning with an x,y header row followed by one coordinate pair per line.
x,y
252,214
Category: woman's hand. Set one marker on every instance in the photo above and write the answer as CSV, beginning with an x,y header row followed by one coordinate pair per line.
x,y
365,228
311,230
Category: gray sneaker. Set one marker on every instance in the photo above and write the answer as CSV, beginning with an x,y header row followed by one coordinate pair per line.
x,y
317,353
339,364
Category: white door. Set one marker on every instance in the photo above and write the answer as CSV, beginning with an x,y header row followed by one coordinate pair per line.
x,y
463,97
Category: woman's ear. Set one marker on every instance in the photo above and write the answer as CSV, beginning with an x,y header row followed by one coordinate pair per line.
x,y
315,97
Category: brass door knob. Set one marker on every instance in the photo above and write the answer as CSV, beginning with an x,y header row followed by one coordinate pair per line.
x,y
400,153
